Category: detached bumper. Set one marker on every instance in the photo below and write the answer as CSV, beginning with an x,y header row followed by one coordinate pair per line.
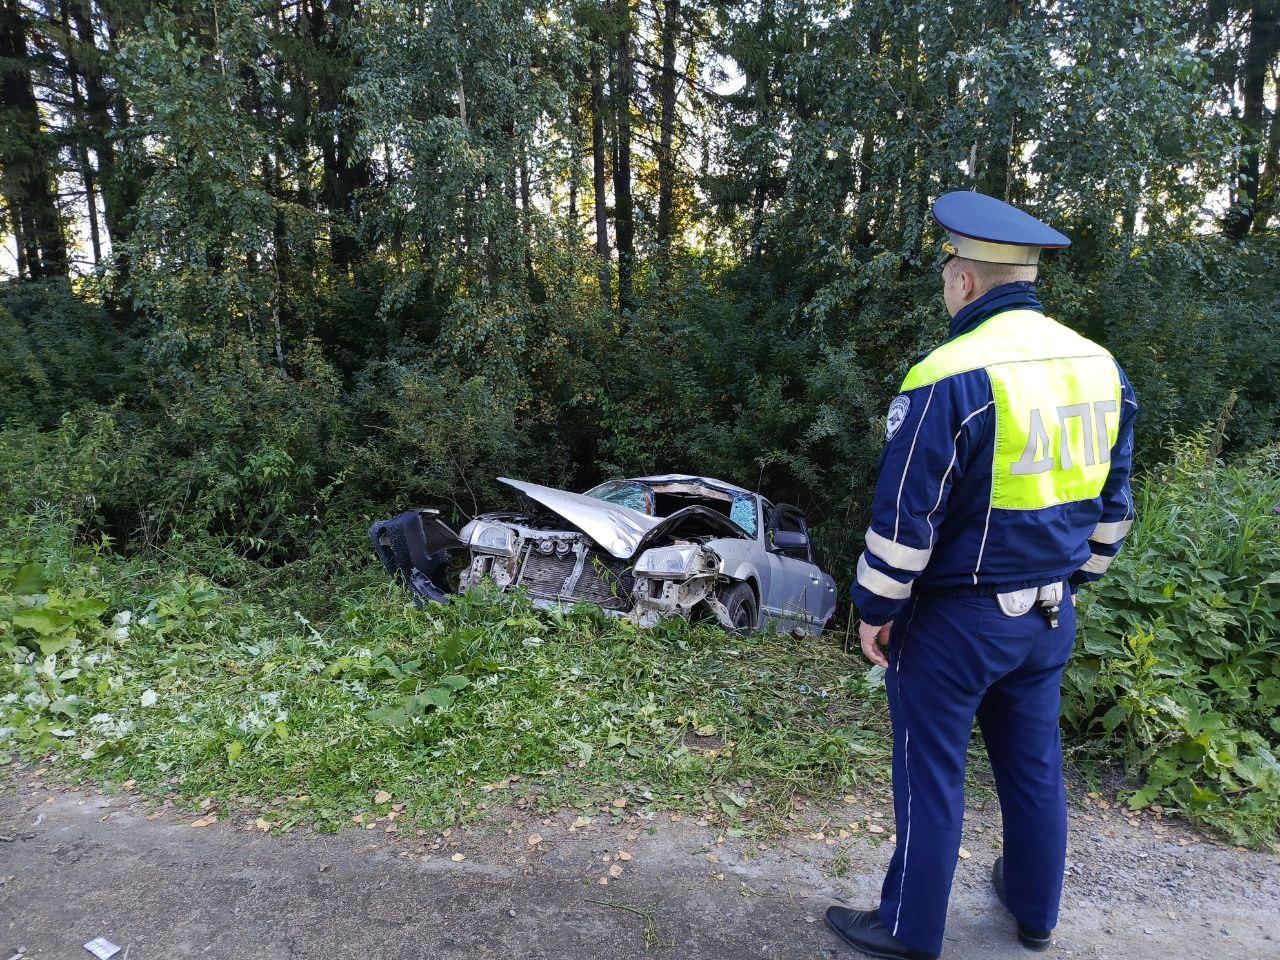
x,y
414,548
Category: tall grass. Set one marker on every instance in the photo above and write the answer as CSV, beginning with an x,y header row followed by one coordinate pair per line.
x,y
1177,671
126,671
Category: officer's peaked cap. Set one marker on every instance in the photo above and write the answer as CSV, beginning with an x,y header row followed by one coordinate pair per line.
x,y
986,229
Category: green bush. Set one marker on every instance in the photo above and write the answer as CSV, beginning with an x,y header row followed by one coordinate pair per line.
x,y
58,352
1177,668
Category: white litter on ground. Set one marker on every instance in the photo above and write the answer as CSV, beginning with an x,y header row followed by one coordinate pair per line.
x,y
102,948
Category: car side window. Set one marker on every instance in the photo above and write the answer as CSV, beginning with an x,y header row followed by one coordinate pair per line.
x,y
789,522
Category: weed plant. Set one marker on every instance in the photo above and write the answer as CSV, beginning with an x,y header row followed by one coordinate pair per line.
x,y
1177,666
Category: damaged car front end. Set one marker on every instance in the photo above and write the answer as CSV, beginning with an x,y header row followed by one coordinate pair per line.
x,y
646,549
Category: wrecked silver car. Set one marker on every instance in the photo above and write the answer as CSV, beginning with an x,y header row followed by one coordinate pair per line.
x,y
643,548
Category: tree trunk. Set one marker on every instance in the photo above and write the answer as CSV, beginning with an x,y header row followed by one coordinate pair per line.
x,y
19,241
764,108
575,163
598,179
115,201
667,115
80,137
918,173
27,154
279,260
121,183
866,152
623,222
1260,52
344,174
1269,179
536,288
994,177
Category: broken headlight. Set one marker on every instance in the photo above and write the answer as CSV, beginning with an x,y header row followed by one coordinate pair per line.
x,y
493,538
669,561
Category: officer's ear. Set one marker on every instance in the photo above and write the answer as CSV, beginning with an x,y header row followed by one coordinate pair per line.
x,y
966,279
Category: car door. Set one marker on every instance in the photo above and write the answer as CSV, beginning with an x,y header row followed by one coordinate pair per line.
x,y
820,602
799,593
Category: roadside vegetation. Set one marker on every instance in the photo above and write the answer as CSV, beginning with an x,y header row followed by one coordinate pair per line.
x,y
190,670
144,671
1176,674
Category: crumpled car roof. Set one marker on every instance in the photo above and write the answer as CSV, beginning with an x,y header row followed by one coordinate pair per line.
x,y
688,478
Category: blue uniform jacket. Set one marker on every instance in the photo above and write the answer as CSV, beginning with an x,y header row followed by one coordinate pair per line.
x,y
934,494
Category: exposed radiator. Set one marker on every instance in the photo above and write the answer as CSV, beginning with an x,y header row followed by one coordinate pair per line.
x,y
604,580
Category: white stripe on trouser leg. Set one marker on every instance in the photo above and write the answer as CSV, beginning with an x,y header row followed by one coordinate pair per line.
x,y
906,748
906,843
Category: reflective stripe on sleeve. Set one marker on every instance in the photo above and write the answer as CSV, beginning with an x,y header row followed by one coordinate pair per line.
x,y
1097,563
1111,532
881,584
896,554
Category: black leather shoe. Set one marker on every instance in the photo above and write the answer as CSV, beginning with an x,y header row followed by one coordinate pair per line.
x,y
862,930
1031,939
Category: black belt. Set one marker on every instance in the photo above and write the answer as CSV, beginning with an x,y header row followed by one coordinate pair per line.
x,y
981,590
959,590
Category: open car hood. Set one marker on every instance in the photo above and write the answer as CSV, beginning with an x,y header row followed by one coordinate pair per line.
x,y
620,530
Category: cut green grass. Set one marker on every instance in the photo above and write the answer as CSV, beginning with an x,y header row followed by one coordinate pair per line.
x,y
192,691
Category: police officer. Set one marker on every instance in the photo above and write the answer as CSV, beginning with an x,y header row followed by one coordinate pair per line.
x,y
1003,485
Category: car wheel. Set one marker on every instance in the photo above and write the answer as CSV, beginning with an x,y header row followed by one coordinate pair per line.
x,y
744,613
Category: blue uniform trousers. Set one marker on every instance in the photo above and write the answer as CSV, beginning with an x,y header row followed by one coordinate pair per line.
x,y
952,658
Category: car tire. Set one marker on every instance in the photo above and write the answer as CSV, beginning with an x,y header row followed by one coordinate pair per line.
x,y
744,613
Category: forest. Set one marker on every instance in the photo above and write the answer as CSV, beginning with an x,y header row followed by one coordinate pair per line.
x,y
274,269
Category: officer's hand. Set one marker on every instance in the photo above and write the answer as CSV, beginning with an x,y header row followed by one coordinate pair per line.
x,y
872,639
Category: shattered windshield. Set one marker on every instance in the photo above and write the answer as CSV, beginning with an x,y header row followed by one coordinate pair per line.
x,y
743,512
641,497
625,493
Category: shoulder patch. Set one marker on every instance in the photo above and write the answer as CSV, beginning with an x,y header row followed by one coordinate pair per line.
x,y
897,414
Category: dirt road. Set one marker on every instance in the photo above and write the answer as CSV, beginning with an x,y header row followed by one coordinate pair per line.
x,y
76,866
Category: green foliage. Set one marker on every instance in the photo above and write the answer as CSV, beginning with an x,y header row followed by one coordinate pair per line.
x,y
155,667
1193,323
1177,669
124,670
212,242
354,261
58,352
354,266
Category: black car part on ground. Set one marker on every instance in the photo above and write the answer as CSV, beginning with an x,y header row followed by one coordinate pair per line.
x,y
414,547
